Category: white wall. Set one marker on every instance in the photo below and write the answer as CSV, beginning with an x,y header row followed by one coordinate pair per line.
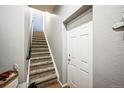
x,y
108,47
12,38
27,35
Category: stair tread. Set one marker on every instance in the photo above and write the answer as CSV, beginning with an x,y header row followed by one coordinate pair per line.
x,y
39,45
41,70
39,48
38,40
32,58
41,63
46,78
39,53
38,37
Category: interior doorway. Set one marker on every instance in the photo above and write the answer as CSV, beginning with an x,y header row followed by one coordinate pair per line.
x,y
79,33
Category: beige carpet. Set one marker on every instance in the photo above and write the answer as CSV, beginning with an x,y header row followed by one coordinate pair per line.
x,y
42,71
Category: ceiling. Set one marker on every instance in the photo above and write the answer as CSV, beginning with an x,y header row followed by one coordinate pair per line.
x,y
48,8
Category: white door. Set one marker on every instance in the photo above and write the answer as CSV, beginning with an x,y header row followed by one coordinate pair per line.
x,y
80,56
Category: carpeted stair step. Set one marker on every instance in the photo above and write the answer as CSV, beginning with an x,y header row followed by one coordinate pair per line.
x,y
38,38
42,71
45,79
38,34
39,46
40,66
41,60
39,43
41,63
37,58
40,54
41,75
39,49
34,72
35,40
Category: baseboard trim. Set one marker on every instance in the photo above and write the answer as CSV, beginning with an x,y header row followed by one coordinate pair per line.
x,y
27,81
63,85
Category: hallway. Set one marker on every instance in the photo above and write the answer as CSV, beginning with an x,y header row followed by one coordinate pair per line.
x,y
62,46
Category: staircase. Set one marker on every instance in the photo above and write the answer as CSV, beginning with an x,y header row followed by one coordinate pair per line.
x,y
42,71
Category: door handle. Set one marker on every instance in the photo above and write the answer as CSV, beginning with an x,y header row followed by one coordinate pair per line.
x,y
69,59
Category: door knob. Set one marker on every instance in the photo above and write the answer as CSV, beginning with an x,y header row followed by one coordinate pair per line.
x,y
69,59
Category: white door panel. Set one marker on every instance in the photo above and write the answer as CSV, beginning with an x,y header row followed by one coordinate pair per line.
x,y
84,46
75,76
80,56
84,79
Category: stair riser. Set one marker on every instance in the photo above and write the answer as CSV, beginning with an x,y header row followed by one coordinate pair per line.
x,y
38,35
41,63
34,51
41,60
38,40
41,72
45,46
39,43
40,75
40,55
35,34
34,38
40,66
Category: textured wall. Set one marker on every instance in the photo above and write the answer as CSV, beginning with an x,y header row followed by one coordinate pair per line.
x,y
108,47
12,38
